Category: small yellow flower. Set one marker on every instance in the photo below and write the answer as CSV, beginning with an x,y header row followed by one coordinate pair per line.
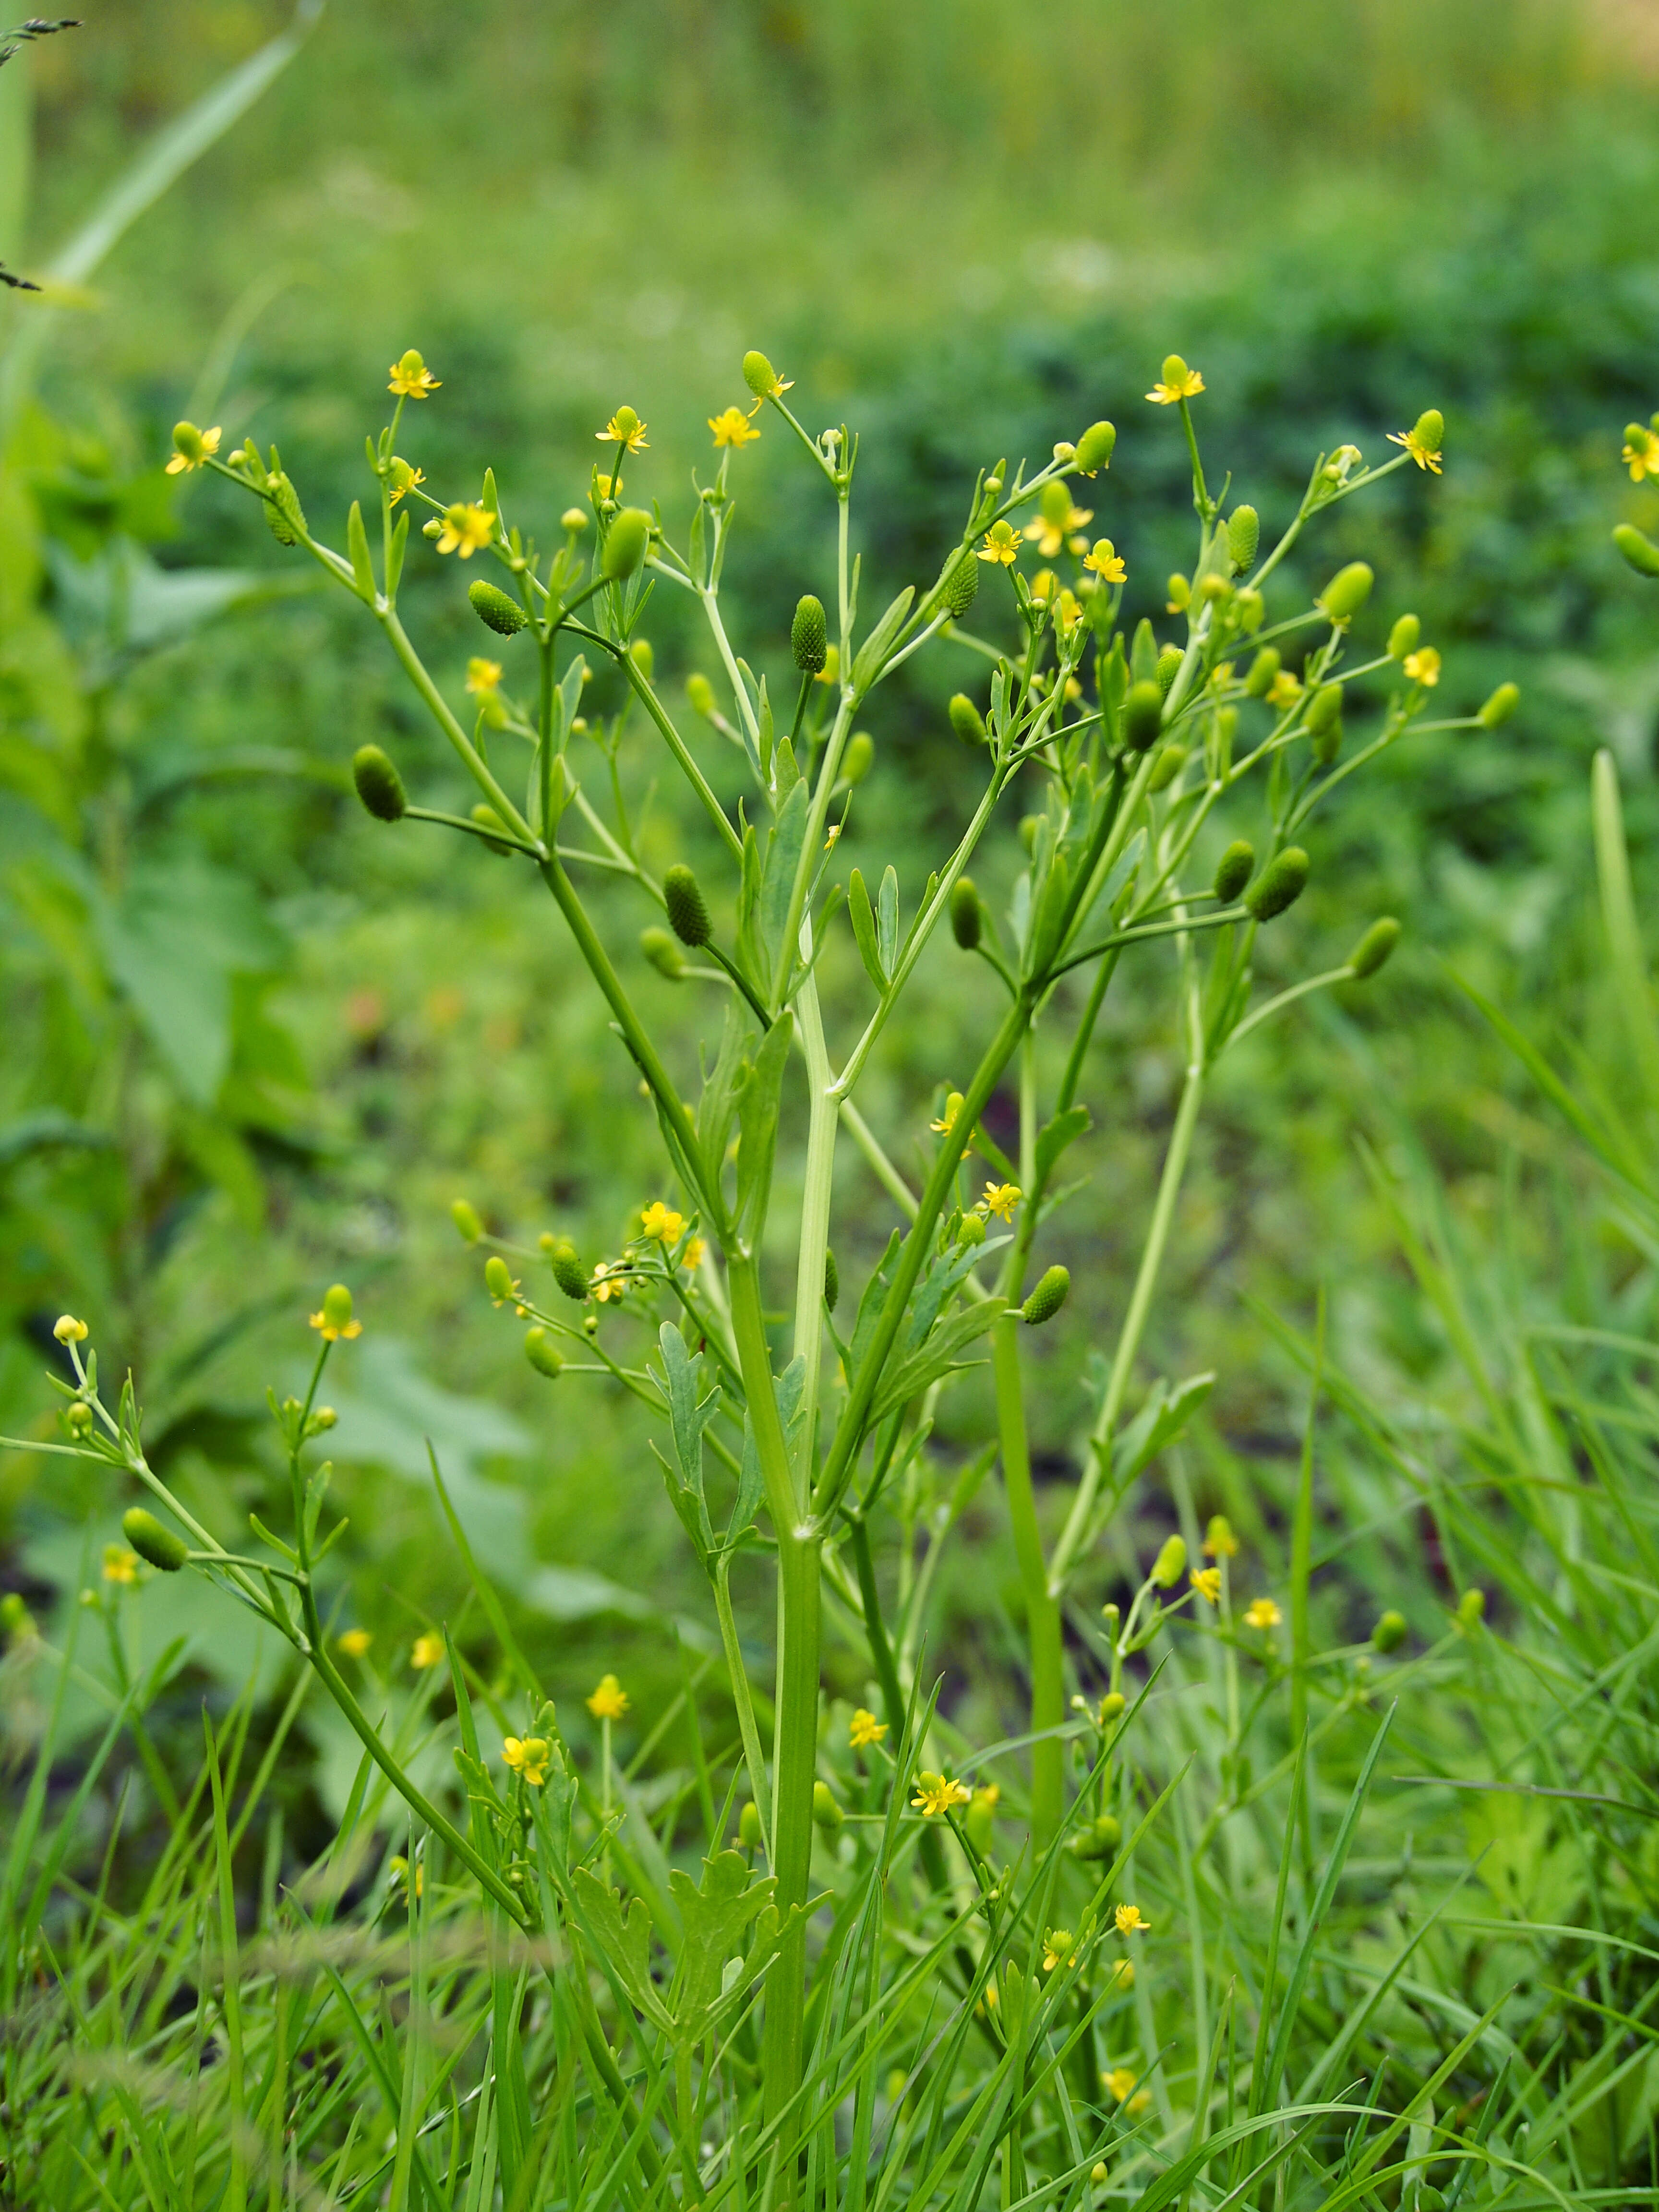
x,y
1220,1541
988,1796
428,1650
1106,562
610,1701
1121,1974
691,1258
467,528
68,1330
662,1225
733,427
1262,1613
528,1756
608,1282
834,838
411,379
830,672
483,677
334,1323
624,429
402,477
1001,1198
1001,543
1048,534
1057,1949
947,1120
1069,613
1178,382
1425,455
937,1793
866,1730
356,1641
1641,454
1207,1581
1128,1919
190,447
1120,2082
119,1565
1423,667
1044,584
608,486
1284,690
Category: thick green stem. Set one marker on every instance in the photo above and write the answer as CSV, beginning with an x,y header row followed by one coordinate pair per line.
x,y
1041,1606
754,1759
815,1204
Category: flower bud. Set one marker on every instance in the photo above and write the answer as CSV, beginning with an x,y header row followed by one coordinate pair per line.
x,y
750,1834
1325,723
859,757
625,544
1142,716
1094,448
966,916
1263,669
1233,869
567,1271
665,956
1279,884
759,375
687,913
498,1278
642,657
496,609
980,1820
1170,1563
1375,946
433,527
1249,608
809,635
1471,1607
145,1533
960,585
1180,592
1390,1631
1046,1300
826,1814
831,1280
1168,662
966,720
1402,638
1641,552
542,1353
1347,592
700,693
1243,536
1501,705
1166,768
379,783
1098,1839
468,1226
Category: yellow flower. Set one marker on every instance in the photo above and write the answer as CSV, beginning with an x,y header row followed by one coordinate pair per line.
x,y
947,1120
190,447
1284,690
428,1650
733,427
1069,613
830,672
402,477
1262,1613
1001,1198
691,1258
866,1730
1220,1541
1048,534
411,379
119,1565
1422,451
1120,2082
608,1282
610,1701
467,527
1057,1949
1641,453
608,486
988,1795
1128,1919
1106,562
662,1225
68,1330
834,838
356,1641
1138,2103
1044,583
483,677
1121,1974
528,1756
1001,543
335,1322
937,1793
1178,382
1423,667
1207,1581
624,429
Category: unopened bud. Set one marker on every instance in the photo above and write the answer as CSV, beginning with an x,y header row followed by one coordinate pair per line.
x,y
642,657
574,520
496,609
1179,593
379,783
625,544
1280,884
468,1226
1166,768
665,956
1402,638
1243,536
1375,946
1094,448
809,634
1325,723
749,1833
1501,705
966,920
1640,551
1263,669
1142,716
826,1812
966,720
859,758
1170,1563
700,693
686,911
542,1353
1390,1631
145,1533
1046,1300
1233,869
1347,592
498,1278
494,828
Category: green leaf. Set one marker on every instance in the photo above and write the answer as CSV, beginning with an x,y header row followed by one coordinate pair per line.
x,y
1630,967
864,930
757,1124
783,847
935,1357
394,564
887,921
1160,1421
714,1919
719,1101
1054,1136
362,568
622,1940
867,667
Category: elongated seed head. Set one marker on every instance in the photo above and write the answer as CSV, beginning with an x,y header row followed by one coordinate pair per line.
x,y
498,1277
1390,1630
1094,448
758,374
567,1270
687,913
152,1541
700,693
826,1812
831,1280
1142,716
542,1353
625,544
859,757
1402,638
1279,884
965,917
750,1832
1375,946
379,783
495,609
1263,669
468,1227
1641,552
966,720
665,956
1325,723
1167,662
1046,1300
1501,705
1168,1566
960,585
809,634
1243,536
1233,869
1166,768
1347,592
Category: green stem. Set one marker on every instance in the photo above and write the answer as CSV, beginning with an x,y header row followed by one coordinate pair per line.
x,y
753,1756
414,669
875,1628
1042,1622
814,1202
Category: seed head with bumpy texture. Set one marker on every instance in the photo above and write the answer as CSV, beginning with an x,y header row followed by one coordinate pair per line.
x,y
1402,638
1375,946
809,635
1142,716
683,897
152,1541
1046,1300
495,609
567,1270
542,1353
1279,884
1094,449
759,375
379,783
1243,536
1640,551
966,916
1168,1566
1233,869
966,720
960,585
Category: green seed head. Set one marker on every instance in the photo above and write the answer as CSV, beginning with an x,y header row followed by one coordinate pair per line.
x,y
494,828
687,913
809,635
468,1227
1166,768
759,375
337,1309
145,1533
1280,884
498,1278
961,584
1501,705
831,1280
1390,1631
1046,1300
542,1353
1243,536
625,544
972,1231
567,1271
1347,592
1402,638
1325,723
642,657
1167,1566
1142,716
701,692
826,1814
859,757
966,916
283,509
379,783
750,1834
1641,552
1263,669
1233,869
1375,946
665,956
1094,448
1471,1607
495,609
966,720
1430,430
1168,662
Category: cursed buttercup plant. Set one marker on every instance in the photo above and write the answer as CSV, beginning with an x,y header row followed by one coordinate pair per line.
x,y
1131,761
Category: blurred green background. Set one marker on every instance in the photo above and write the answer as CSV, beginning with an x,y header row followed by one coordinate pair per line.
x,y
254,1044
